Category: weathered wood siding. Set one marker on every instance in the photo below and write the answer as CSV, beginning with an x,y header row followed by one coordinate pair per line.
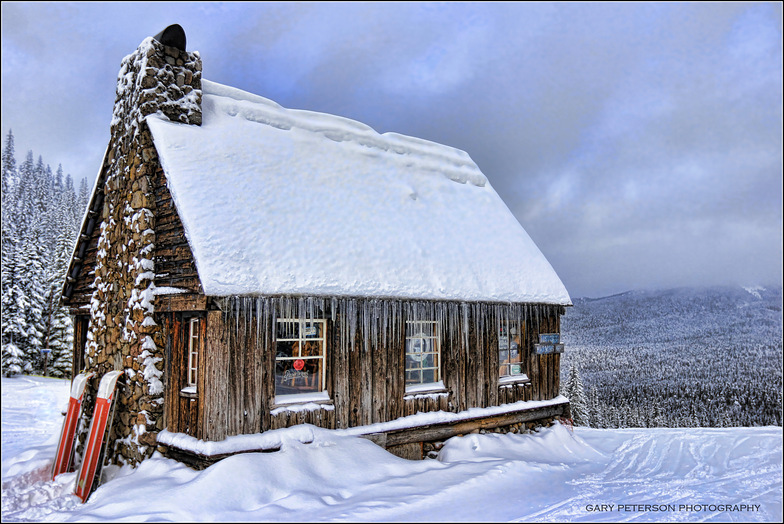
x,y
174,262
84,284
365,361
182,412
79,343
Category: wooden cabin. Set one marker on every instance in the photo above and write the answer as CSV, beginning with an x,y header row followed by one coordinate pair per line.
x,y
253,267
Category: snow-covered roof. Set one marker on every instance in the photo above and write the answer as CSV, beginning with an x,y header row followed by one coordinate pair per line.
x,y
282,201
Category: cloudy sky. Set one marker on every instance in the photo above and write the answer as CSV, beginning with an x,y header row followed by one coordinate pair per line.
x,y
639,144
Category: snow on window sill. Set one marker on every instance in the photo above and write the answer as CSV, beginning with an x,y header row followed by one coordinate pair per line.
x,y
433,389
511,380
302,398
189,392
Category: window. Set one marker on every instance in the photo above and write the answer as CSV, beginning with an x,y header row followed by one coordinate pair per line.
x,y
193,352
423,353
510,354
300,352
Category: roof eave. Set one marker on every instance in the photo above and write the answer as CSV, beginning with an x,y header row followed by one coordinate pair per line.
x,y
89,221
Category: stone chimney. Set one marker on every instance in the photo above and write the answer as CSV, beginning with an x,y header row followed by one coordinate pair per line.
x,y
159,78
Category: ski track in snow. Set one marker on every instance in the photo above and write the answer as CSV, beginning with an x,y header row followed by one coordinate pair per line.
x,y
552,475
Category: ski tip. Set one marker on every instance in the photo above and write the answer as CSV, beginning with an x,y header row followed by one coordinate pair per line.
x,y
79,383
108,382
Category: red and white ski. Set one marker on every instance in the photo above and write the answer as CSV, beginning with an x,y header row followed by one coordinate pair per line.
x,y
95,440
62,461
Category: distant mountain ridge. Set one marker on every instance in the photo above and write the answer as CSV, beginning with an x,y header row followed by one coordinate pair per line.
x,y
684,355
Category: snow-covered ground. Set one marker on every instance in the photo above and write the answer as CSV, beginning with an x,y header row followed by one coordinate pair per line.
x,y
691,475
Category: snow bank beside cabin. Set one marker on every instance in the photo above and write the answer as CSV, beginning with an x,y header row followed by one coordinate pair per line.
x,y
280,201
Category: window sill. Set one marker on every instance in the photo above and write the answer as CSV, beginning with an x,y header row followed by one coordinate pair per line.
x,y
321,397
436,388
512,380
189,392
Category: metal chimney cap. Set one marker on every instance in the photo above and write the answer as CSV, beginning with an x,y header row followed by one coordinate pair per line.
x,y
172,36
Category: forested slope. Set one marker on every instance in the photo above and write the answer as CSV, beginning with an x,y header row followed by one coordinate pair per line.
x,y
680,357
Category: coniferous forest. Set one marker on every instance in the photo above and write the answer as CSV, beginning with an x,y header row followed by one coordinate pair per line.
x,y
688,357
41,213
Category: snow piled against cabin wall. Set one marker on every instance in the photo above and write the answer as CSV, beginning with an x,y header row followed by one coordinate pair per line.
x,y
278,201
305,433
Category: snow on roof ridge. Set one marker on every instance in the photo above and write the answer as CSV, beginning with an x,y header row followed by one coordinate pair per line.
x,y
431,156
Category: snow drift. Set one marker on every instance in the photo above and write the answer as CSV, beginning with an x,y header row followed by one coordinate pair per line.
x,y
677,475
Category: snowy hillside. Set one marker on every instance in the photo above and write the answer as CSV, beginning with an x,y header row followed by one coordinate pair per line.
x,y
721,475
680,357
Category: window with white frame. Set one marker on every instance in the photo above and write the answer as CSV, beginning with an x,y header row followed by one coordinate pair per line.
x,y
423,353
193,352
300,356
510,349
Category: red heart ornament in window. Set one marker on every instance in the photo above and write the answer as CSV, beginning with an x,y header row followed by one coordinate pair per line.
x,y
299,364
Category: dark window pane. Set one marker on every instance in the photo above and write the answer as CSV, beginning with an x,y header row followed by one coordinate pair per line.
x,y
287,349
297,376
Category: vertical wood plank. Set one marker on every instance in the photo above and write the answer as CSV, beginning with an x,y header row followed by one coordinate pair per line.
x,y
450,358
81,325
533,365
491,336
355,377
366,370
396,361
379,374
461,353
342,373
216,378
197,411
252,364
170,407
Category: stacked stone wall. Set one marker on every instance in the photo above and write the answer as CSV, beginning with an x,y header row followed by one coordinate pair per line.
x,y
123,334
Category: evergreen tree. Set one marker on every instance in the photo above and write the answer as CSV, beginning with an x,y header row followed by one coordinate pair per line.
x,y
40,216
9,166
60,330
70,205
58,182
14,324
30,268
576,393
82,200
24,207
597,417
14,302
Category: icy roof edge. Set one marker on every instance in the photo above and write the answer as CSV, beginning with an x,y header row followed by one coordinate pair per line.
x,y
251,107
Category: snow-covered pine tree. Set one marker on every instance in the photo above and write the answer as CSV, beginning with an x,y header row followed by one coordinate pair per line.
x,y
30,269
14,323
58,184
23,194
60,333
14,302
82,199
597,417
40,218
9,167
69,203
576,393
